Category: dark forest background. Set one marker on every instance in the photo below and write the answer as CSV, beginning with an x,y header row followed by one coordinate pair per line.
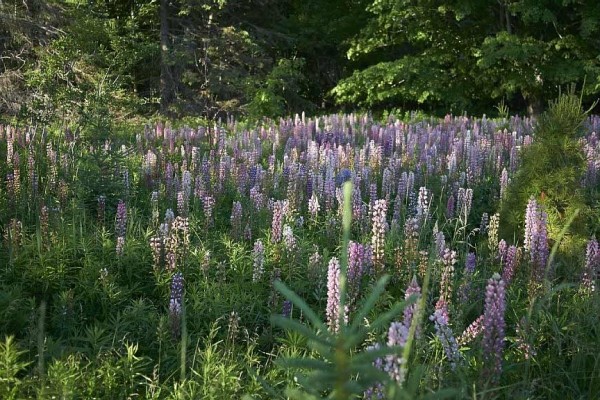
x,y
89,62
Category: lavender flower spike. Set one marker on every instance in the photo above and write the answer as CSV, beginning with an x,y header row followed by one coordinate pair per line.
x,y
493,327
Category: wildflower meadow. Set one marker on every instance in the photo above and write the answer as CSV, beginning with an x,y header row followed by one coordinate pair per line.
x,y
337,256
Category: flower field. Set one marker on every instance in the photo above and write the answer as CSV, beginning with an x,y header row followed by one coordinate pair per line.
x,y
309,257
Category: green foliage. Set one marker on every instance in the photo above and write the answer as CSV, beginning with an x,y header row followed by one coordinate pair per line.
x,y
281,92
551,171
11,367
464,54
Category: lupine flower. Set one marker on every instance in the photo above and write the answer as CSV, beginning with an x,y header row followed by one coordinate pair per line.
x,y
464,292
313,205
413,289
120,245
236,219
44,223
121,223
277,222
289,239
493,327
450,206
423,202
483,225
101,208
503,183
257,199
473,330
591,268
14,234
509,264
356,268
502,248
411,237
258,256
155,212
169,218
440,243
16,174
445,335
333,296
465,199
397,336
286,310
470,263
493,233
523,340
376,392
536,238
208,204
176,303
448,259
378,233
314,266
156,245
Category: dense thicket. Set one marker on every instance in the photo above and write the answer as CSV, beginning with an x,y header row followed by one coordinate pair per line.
x,y
92,61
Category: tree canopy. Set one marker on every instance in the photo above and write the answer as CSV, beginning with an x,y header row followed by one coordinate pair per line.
x,y
93,60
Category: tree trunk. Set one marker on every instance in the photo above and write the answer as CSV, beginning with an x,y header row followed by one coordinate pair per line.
x,y
167,86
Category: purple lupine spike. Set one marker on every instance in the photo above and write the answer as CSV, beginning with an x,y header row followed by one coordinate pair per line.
x,y
483,225
120,227
445,335
591,268
44,223
16,174
386,184
156,245
333,296
258,256
286,309
208,204
440,243
357,204
523,340
313,206
530,222
257,198
372,193
493,327
176,303
510,264
181,203
277,222
121,222
397,336
379,228
101,209
289,239
536,238
236,219
356,269
470,263
503,183
450,206
449,259
376,392
464,292
413,289
471,332
502,248
423,202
